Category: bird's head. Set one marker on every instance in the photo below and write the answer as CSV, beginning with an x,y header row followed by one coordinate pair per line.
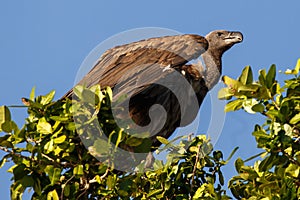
x,y
221,40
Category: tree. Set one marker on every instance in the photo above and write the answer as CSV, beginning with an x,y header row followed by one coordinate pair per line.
x,y
276,176
51,158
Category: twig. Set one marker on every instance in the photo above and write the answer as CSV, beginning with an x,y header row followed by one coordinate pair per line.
x,y
86,187
275,104
105,174
81,194
16,154
291,158
63,187
195,168
34,160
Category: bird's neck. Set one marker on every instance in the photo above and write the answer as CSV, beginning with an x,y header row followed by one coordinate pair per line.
x,y
213,64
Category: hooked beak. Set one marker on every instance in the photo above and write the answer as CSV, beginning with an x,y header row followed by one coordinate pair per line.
x,y
234,37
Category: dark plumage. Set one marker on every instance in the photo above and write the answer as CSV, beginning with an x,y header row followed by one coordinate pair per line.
x,y
156,71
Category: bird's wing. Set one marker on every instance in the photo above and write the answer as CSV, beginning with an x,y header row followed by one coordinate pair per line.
x,y
122,65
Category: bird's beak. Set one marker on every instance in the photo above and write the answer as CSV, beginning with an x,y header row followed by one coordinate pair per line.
x,y
234,37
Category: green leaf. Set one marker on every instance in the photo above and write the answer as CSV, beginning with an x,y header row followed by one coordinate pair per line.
x,y
27,181
100,146
231,83
5,138
162,140
48,98
6,124
293,170
194,149
89,97
78,89
19,172
7,144
199,192
111,181
67,190
16,190
109,93
154,192
267,163
221,177
54,173
59,118
204,191
52,195
71,126
225,93
123,193
244,175
264,93
238,164
295,119
270,78
134,141
97,90
218,155
246,76
2,161
261,134
248,104
37,185
43,126
32,94
5,115
59,139
49,146
262,77
6,127
78,170
234,190
234,105
248,88
258,108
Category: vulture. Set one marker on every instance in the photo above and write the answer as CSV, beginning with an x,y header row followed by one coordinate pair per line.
x,y
162,88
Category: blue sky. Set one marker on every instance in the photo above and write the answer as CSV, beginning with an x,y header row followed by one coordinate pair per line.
x,y
43,43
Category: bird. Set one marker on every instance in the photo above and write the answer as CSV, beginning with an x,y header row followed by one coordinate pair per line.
x,y
164,89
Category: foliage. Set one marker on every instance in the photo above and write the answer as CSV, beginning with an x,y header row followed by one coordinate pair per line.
x,y
50,158
57,154
277,174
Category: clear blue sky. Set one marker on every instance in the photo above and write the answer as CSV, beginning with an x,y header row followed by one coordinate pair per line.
x,y
43,43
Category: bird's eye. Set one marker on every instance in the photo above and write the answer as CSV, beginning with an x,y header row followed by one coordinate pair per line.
x,y
219,34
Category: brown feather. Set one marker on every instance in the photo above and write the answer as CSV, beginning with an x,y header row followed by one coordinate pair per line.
x,y
168,50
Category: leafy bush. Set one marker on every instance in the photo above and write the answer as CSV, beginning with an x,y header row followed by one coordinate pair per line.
x,y
50,158
276,176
